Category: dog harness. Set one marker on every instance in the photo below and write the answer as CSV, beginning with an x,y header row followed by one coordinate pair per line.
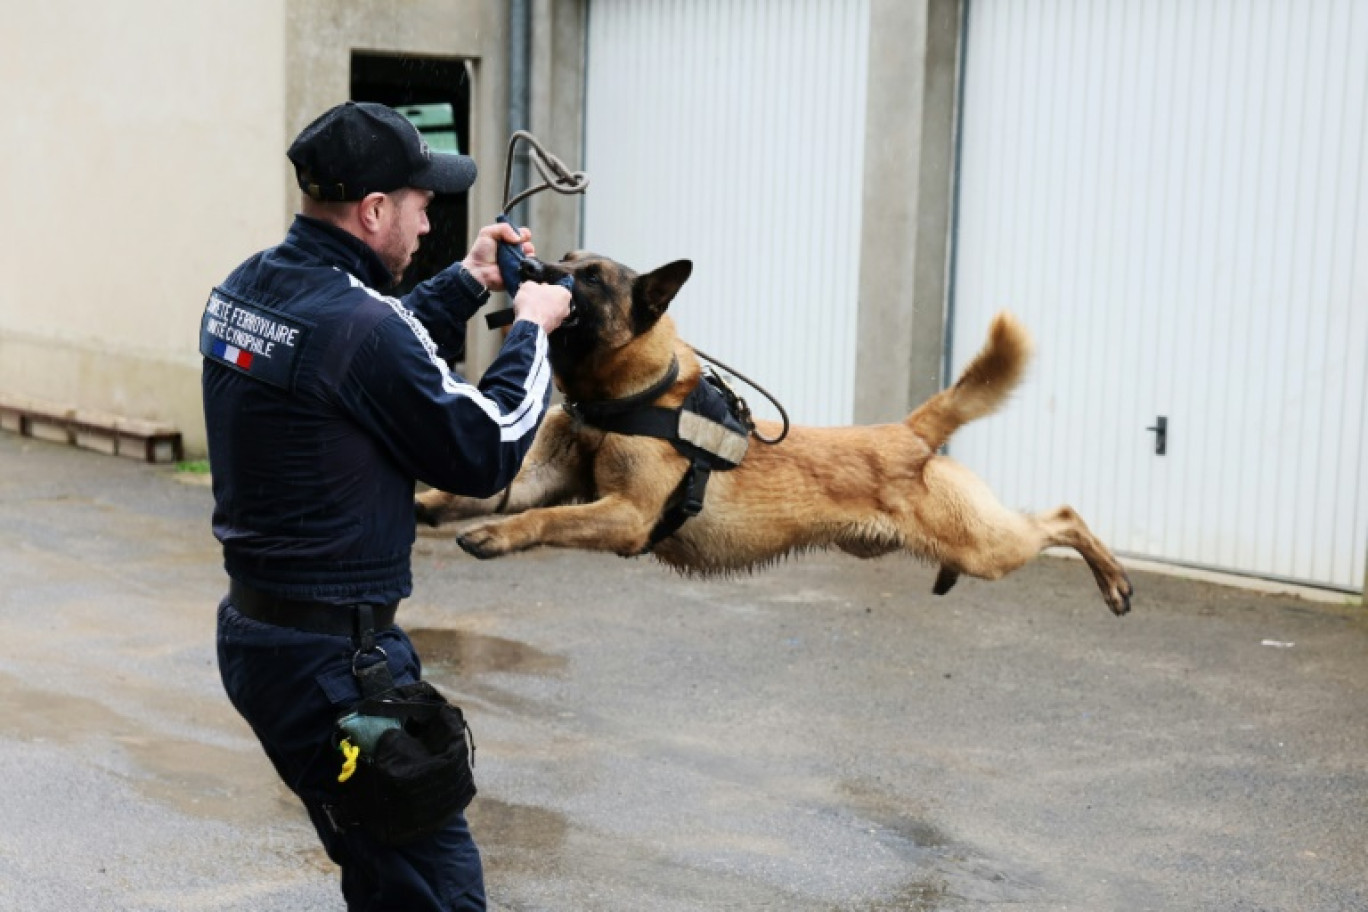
x,y
707,429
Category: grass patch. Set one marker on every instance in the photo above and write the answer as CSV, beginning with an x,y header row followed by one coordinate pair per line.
x,y
194,466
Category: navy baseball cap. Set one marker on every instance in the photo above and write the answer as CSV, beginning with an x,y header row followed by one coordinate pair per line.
x,y
362,147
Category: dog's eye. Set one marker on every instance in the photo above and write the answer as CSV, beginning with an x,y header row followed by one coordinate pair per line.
x,y
591,276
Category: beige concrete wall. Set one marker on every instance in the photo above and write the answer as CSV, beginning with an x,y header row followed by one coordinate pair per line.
x,y
146,158
908,196
142,143
557,115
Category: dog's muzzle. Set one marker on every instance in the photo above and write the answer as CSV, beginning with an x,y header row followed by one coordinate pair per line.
x,y
534,270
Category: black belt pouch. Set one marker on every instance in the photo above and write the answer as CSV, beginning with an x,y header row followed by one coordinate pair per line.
x,y
420,774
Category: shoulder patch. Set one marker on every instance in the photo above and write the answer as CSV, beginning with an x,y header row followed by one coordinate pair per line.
x,y
251,338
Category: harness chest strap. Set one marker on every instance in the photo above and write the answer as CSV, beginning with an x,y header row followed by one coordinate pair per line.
x,y
699,429
686,504
665,424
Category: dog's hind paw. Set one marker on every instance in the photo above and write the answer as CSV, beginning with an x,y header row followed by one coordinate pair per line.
x,y
1118,596
425,515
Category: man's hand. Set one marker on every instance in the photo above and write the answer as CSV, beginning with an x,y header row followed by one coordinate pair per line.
x,y
545,305
481,262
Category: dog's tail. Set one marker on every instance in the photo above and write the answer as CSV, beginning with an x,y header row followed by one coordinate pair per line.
x,y
983,386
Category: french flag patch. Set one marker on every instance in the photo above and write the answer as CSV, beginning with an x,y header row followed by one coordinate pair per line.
x,y
233,355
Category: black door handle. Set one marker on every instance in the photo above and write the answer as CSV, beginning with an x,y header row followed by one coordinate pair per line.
x,y
1160,429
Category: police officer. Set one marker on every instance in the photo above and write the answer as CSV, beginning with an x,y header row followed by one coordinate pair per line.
x,y
324,400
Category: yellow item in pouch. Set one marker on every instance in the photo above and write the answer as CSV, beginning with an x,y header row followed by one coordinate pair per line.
x,y
349,753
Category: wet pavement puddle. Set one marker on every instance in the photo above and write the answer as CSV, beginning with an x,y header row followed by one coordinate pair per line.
x,y
202,781
194,778
948,869
533,830
459,651
40,715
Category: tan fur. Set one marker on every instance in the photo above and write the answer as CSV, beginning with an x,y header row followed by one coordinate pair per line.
x,y
981,388
867,490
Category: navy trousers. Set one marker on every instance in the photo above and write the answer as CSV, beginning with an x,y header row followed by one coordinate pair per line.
x,y
291,687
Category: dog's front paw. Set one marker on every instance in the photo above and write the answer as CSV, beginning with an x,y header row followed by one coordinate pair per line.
x,y
484,541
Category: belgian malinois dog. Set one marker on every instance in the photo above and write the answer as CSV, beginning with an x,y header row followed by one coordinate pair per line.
x,y
867,490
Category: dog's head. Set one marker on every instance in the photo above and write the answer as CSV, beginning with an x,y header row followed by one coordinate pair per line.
x,y
612,304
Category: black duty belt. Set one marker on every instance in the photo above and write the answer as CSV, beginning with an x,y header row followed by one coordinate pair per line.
x,y
313,617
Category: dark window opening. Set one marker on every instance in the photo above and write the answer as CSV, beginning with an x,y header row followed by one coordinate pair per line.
x,y
434,92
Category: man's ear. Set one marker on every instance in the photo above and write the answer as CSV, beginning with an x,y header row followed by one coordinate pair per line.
x,y
370,211
653,292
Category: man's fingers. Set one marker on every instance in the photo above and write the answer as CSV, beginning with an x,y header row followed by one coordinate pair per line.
x,y
546,305
502,231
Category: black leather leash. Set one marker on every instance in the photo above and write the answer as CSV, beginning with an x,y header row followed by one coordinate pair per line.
x,y
555,176
742,409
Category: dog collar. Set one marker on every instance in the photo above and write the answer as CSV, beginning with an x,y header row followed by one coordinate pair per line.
x,y
706,429
593,411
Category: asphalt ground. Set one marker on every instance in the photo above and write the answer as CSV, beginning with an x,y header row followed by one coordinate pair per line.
x,y
824,735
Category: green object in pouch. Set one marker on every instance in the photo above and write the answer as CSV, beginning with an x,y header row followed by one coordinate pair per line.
x,y
365,731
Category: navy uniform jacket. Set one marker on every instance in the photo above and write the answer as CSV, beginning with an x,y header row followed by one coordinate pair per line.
x,y
324,400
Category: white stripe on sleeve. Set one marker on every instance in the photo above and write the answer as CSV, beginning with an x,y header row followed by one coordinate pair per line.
x,y
513,425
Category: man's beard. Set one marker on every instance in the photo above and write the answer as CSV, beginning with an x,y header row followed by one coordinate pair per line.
x,y
397,266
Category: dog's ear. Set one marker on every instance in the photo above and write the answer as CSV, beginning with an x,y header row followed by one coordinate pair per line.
x,y
653,292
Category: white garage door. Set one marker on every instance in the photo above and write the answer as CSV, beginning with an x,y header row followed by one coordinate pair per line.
x,y
1174,197
732,134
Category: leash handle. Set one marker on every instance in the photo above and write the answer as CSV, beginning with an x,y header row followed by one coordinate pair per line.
x,y
555,176
511,259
